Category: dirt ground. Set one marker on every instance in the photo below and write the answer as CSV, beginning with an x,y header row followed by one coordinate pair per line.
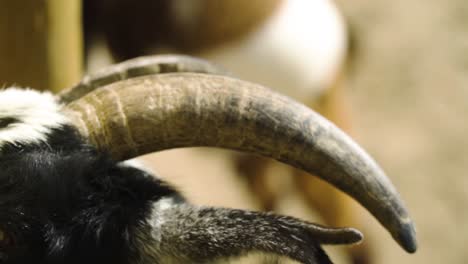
x,y
409,94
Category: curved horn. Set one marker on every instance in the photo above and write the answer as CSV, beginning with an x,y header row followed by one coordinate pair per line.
x,y
158,112
138,67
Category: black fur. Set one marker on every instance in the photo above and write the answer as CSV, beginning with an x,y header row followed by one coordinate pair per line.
x,y
62,202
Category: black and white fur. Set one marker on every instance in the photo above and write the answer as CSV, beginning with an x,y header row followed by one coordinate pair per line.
x,y
62,201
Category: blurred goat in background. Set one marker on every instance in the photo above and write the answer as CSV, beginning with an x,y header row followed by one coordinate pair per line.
x,y
297,45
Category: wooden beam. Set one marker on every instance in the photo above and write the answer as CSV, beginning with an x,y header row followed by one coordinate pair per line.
x,y
40,43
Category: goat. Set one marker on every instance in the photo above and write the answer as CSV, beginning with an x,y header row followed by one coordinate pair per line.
x,y
68,197
298,46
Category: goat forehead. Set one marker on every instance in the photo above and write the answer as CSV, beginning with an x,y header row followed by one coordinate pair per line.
x,y
37,113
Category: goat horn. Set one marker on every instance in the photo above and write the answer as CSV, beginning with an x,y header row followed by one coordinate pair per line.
x,y
138,67
157,112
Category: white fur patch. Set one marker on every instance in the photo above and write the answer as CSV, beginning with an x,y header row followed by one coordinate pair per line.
x,y
157,218
37,114
138,164
298,51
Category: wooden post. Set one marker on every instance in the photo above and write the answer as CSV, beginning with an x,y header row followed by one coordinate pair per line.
x,y
40,43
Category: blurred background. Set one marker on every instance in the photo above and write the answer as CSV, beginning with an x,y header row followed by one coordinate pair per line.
x,y
410,96
406,93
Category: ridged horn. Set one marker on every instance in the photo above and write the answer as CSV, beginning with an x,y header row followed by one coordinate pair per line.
x,y
146,65
157,112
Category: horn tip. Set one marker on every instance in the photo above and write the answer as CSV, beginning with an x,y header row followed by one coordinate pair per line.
x,y
407,238
355,236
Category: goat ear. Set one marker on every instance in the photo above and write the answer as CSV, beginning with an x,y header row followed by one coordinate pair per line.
x,y
208,234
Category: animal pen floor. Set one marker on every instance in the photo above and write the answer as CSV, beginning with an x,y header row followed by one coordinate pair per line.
x,y
409,93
